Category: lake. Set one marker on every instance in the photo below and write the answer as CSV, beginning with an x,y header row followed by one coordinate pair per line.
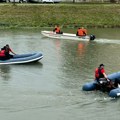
x,y
51,89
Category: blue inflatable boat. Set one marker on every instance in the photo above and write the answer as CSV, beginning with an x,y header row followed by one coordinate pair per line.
x,y
90,86
23,58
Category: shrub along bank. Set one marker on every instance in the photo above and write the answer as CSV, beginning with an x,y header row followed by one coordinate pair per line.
x,y
66,15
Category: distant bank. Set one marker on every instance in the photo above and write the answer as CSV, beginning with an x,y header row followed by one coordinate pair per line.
x,y
29,15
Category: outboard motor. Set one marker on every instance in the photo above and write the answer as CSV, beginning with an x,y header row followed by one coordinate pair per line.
x,y
92,37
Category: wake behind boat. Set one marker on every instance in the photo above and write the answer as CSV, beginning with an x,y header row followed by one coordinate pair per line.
x,y
23,58
68,36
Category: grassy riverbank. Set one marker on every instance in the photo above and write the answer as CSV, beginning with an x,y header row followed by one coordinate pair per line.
x,y
66,15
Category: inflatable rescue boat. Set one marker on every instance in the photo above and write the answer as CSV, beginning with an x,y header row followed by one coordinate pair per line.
x,y
115,92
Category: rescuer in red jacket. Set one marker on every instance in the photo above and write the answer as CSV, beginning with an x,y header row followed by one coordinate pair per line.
x,y
57,30
100,73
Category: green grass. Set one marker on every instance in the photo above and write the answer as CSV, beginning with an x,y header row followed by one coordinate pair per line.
x,y
66,15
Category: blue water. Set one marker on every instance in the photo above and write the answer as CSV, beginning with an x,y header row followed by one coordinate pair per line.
x,y
52,88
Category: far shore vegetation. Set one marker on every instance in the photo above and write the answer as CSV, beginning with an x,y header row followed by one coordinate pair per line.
x,y
28,15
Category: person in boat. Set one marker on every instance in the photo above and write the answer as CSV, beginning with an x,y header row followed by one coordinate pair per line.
x,y
8,50
100,73
57,30
81,32
102,80
5,52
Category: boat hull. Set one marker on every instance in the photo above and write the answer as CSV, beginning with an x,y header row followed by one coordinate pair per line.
x,y
68,36
113,93
23,58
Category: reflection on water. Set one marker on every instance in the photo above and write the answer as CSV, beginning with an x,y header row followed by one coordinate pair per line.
x,y
5,72
36,64
81,48
28,69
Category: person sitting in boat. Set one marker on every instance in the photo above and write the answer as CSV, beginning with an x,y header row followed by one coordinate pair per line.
x,y
100,73
102,81
57,30
6,49
81,32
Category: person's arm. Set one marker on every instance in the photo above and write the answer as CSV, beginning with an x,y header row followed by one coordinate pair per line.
x,y
54,29
12,52
106,76
103,72
84,32
77,33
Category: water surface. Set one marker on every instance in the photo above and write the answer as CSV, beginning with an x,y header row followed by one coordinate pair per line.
x,y
52,87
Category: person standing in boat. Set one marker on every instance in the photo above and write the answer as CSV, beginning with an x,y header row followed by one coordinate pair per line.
x,y
57,30
81,32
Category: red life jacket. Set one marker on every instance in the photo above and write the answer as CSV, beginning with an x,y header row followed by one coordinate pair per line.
x,y
57,30
80,32
2,53
99,73
84,31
